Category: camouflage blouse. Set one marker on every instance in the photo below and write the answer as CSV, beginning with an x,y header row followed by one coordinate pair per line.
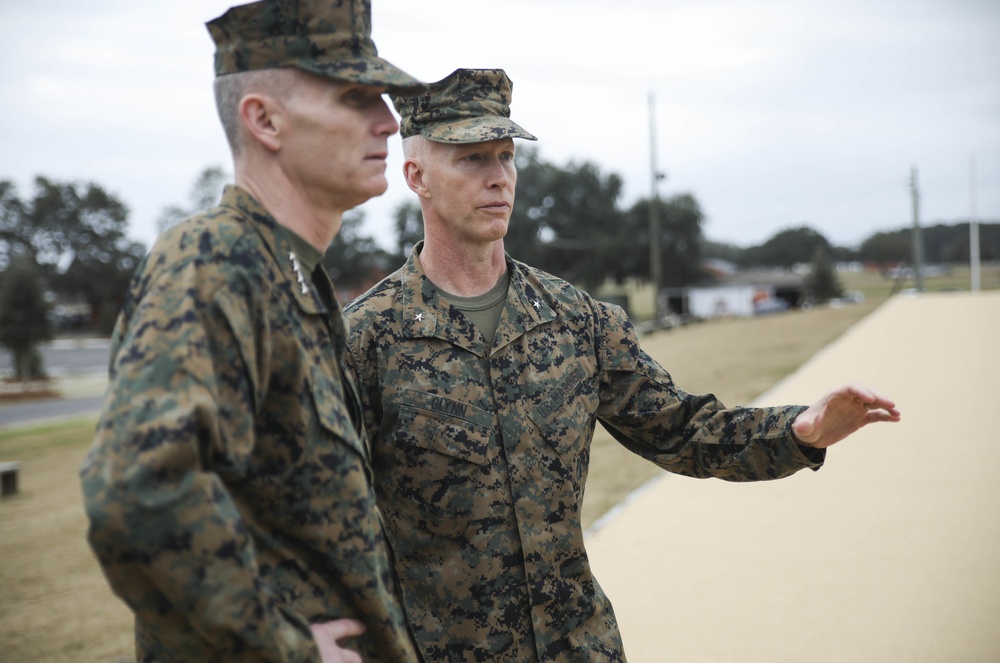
x,y
480,456
228,489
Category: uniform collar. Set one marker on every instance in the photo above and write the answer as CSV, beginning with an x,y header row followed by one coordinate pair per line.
x,y
427,314
295,257
528,304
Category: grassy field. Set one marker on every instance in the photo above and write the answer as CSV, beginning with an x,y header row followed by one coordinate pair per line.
x,y
57,607
871,284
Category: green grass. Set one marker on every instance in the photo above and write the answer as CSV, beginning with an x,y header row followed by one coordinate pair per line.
x,y
873,284
34,439
869,282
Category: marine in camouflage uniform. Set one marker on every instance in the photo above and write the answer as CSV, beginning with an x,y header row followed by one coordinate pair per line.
x,y
228,486
480,449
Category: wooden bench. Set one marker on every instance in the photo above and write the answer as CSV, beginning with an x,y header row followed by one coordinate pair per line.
x,y
8,478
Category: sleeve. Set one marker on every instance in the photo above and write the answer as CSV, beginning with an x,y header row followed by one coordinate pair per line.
x,y
688,434
167,532
359,360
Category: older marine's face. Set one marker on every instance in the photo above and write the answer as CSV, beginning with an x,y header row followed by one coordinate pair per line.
x,y
335,140
471,188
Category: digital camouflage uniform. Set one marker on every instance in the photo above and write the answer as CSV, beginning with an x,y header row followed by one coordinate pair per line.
x,y
228,488
480,456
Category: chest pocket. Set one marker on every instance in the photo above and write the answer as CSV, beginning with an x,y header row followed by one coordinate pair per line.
x,y
567,409
434,467
445,425
332,404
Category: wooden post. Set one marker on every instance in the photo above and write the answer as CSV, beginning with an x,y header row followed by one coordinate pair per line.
x,y
8,478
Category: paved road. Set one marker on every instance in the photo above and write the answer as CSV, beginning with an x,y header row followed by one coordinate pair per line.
x,y
46,410
67,357
77,366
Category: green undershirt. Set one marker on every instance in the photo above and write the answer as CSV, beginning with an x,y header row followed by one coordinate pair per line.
x,y
484,310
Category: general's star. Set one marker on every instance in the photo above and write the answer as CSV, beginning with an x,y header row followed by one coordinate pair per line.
x,y
419,317
537,304
298,272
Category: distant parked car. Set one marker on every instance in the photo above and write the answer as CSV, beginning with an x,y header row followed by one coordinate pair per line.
x,y
849,297
770,305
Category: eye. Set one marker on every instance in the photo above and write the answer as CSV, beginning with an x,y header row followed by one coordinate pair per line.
x,y
354,95
473,156
507,156
360,96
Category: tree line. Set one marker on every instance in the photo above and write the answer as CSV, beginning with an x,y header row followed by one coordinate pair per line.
x,y
66,242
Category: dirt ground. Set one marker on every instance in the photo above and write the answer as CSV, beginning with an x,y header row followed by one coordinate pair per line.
x,y
57,607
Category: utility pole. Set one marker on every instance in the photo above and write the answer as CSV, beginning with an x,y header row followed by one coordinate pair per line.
x,y
973,227
918,243
655,269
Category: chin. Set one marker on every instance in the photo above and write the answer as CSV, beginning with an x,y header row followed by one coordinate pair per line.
x,y
373,188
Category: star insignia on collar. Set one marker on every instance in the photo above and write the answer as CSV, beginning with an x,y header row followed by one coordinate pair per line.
x,y
537,304
419,317
298,272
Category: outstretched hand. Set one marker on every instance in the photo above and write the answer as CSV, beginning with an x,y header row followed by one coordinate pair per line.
x,y
328,633
840,413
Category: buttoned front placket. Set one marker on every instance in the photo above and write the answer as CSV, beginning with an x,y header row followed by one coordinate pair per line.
x,y
541,482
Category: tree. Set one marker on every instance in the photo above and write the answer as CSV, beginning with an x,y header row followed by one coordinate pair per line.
x,y
885,248
955,244
75,234
567,220
822,283
355,260
204,193
787,248
722,251
942,244
24,316
13,242
409,224
680,240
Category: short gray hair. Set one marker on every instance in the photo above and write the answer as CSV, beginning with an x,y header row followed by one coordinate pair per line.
x,y
414,146
231,88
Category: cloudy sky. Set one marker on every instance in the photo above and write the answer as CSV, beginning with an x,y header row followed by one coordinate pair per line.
x,y
773,113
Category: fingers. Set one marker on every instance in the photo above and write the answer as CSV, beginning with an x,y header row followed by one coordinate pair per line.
x,y
841,413
877,415
878,403
343,628
873,400
328,633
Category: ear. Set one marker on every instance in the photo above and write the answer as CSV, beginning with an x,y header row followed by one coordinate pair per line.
x,y
413,172
261,120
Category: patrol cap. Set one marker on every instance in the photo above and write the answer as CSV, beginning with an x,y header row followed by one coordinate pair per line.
x,y
467,106
330,38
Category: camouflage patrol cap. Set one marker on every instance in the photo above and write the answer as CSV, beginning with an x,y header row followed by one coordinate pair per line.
x,y
467,106
330,38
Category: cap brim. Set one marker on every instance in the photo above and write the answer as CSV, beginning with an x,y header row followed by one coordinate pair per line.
x,y
476,130
367,71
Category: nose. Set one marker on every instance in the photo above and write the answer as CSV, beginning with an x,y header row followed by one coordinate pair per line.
x,y
498,175
385,122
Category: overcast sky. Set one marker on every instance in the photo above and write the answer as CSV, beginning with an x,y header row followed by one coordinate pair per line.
x,y
774,114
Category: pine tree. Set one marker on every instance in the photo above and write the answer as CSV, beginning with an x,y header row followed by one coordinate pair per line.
x,y
823,284
24,317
